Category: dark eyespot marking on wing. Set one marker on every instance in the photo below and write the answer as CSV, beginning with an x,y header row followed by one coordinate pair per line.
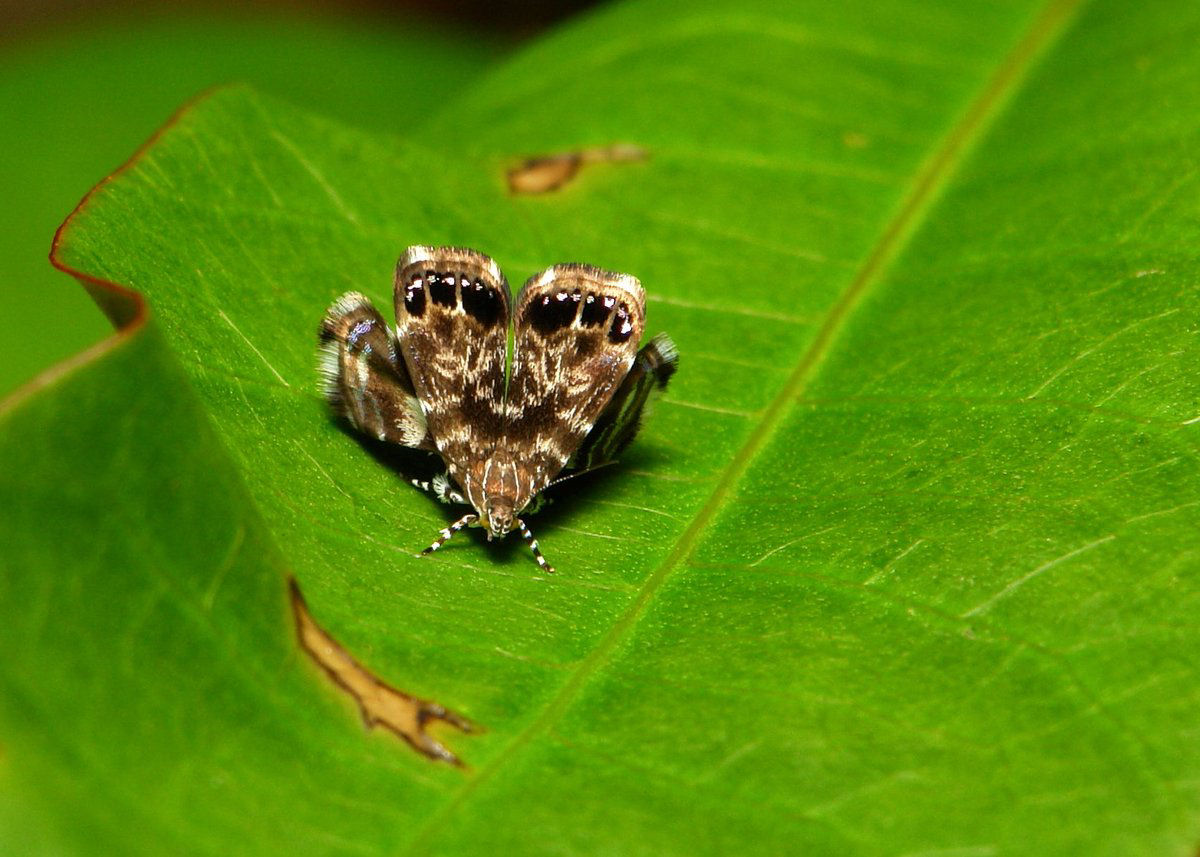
x,y
414,295
595,310
481,302
622,325
553,311
557,311
441,288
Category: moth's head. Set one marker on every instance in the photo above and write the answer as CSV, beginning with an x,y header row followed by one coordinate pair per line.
x,y
499,514
495,477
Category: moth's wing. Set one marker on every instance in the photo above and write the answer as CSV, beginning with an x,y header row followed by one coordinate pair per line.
x,y
618,424
576,335
452,311
364,379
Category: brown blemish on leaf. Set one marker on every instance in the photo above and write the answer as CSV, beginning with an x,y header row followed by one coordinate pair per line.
x,y
550,172
379,702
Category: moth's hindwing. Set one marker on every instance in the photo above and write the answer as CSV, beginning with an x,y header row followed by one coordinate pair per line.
x,y
620,421
364,378
452,312
576,335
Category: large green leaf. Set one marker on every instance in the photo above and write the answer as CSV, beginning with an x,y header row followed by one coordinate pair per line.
x,y
905,562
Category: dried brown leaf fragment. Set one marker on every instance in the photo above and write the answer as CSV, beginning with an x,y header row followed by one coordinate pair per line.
x,y
379,703
546,173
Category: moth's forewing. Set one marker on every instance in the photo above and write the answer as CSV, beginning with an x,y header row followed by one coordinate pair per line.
x,y
618,424
452,314
577,330
363,376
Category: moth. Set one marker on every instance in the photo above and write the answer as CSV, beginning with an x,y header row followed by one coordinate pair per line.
x,y
573,400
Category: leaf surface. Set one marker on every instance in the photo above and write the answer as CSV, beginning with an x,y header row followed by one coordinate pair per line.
x,y
77,101
905,561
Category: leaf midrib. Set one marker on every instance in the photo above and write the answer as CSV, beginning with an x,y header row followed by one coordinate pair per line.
x,y
1046,28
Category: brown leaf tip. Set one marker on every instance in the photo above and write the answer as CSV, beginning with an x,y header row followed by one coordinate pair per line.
x,y
379,703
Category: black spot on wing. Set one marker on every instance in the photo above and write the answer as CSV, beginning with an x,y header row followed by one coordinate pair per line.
x,y
482,302
441,288
414,295
622,325
595,310
553,312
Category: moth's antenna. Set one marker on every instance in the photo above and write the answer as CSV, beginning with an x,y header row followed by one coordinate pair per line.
x,y
574,473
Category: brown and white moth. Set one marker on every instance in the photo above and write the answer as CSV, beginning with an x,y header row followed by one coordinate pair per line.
x,y
575,397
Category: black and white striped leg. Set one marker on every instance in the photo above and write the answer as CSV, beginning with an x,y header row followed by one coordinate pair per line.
x,y
446,534
533,546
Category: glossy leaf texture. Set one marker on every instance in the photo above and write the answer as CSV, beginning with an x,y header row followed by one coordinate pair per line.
x,y
905,562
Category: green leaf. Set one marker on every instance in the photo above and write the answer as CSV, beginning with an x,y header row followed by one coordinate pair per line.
x,y
78,102
905,562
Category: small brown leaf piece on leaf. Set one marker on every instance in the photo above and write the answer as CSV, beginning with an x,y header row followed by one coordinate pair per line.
x,y
550,172
380,703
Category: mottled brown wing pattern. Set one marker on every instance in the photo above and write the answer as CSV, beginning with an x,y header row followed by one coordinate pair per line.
x,y
620,421
575,397
363,377
452,313
577,330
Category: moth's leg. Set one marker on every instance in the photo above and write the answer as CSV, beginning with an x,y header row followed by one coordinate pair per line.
x,y
533,546
446,534
442,488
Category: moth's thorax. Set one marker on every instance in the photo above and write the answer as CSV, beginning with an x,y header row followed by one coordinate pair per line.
x,y
497,489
